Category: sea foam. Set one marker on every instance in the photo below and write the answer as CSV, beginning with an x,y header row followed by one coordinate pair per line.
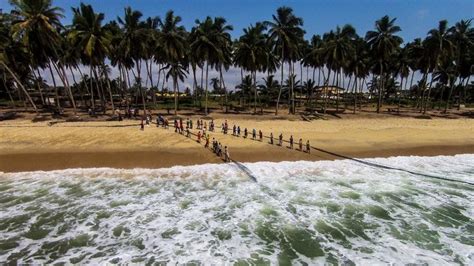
x,y
373,211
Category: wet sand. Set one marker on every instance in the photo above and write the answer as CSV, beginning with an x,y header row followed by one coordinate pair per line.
x,y
27,146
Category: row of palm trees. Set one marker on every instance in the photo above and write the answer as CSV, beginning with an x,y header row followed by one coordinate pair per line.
x,y
33,41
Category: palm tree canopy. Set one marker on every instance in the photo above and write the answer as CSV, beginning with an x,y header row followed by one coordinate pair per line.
x,y
37,25
285,32
172,38
88,34
383,40
252,51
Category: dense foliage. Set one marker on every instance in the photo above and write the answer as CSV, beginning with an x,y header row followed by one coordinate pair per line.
x,y
378,67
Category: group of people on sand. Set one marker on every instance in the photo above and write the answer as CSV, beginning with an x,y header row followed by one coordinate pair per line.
x,y
255,135
258,135
222,153
216,146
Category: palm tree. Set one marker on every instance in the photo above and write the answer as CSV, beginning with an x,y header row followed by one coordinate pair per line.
x,y
245,88
462,38
90,38
439,44
285,32
383,43
36,26
270,87
172,39
8,51
211,43
133,45
252,53
177,71
338,50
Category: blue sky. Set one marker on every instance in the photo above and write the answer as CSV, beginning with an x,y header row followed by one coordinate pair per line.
x,y
415,17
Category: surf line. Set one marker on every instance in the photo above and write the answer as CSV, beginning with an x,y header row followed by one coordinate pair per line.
x,y
376,165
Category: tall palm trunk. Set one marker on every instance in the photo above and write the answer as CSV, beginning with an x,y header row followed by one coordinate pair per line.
x,y
100,89
225,89
428,96
92,87
21,86
62,75
110,91
254,74
54,84
281,81
207,76
175,85
139,81
380,88
8,90
451,88
193,68
38,86
326,84
354,87
400,94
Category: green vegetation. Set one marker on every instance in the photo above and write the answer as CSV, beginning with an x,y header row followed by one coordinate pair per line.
x,y
377,68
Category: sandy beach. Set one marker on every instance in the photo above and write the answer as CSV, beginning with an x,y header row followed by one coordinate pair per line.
x,y
27,146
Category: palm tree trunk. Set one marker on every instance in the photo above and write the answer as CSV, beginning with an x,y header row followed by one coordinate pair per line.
x,y
175,85
451,85
326,84
281,82
100,89
354,87
428,96
139,63
254,74
225,89
38,85
400,94
8,90
110,91
339,75
62,75
207,76
21,86
92,88
54,84
379,100
195,86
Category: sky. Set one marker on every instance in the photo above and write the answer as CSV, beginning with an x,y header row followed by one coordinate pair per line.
x,y
415,17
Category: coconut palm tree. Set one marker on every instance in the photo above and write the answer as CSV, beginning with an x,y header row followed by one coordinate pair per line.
x,y
439,44
172,39
339,49
37,26
285,33
10,53
177,71
211,42
383,42
269,88
245,88
462,38
252,53
89,36
133,44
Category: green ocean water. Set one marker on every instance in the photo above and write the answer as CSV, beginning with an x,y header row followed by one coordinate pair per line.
x,y
296,213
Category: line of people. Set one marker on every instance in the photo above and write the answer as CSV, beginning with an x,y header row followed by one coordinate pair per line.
x,y
236,131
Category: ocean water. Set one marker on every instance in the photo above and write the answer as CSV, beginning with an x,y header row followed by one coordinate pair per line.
x,y
300,213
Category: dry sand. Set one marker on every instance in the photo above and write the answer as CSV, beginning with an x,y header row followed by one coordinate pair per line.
x,y
27,146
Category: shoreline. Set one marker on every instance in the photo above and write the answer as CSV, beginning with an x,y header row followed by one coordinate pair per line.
x,y
27,146
62,160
